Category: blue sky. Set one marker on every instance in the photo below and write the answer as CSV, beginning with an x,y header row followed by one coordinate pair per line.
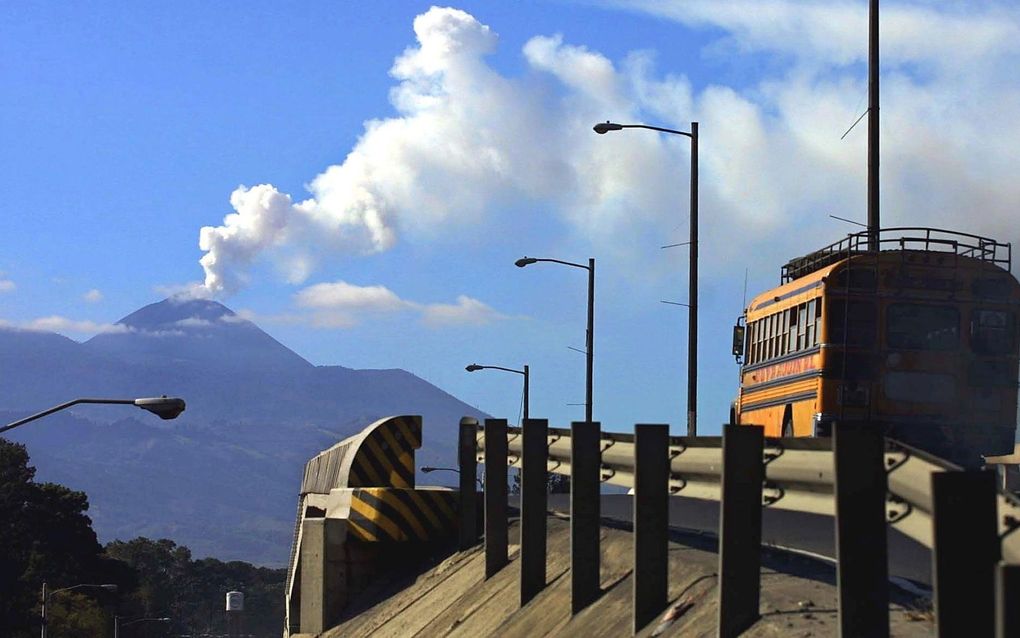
x,y
387,162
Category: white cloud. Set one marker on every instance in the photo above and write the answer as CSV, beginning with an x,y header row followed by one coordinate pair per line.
x,y
469,143
466,311
341,295
6,285
343,305
56,323
194,322
93,296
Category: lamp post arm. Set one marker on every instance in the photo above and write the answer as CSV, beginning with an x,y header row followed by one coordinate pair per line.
x,y
60,407
658,128
501,368
565,263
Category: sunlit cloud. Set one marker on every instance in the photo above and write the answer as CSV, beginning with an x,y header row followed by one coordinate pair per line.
x,y
344,305
470,143
93,296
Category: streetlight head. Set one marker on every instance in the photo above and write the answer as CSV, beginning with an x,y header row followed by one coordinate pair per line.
x,y
426,469
473,367
110,587
163,407
521,263
604,127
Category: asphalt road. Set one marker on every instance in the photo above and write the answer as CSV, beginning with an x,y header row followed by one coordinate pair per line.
x,y
808,533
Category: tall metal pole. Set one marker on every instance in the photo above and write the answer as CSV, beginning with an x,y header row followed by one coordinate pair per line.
x,y
590,349
692,325
874,223
42,631
526,393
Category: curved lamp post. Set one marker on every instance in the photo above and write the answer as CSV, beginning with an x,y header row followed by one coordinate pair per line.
x,y
692,305
474,367
590,345
427,468
117,624
46,595
163,407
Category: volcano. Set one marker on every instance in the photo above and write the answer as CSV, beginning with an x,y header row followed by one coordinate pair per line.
x,y
223,477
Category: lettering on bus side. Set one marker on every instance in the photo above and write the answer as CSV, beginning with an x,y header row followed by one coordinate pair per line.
x,y
788,368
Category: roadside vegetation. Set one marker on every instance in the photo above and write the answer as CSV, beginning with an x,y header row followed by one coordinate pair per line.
x,y
46,536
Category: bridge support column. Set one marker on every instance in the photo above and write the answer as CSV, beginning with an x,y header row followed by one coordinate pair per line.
x,y
585,478
496,533
651,522
323,577
965,552
534,498
743,472
467,528
861,550
1007,593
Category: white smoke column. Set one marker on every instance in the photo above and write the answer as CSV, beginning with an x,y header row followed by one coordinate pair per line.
x,y
469,143
466,139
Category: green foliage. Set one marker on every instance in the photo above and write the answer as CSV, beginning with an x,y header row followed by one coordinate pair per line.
x,y
193,592
47,537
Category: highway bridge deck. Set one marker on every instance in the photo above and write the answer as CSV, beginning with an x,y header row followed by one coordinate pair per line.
x,y
451,597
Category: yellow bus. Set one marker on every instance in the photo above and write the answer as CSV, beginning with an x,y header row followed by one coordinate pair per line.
x,y
919,336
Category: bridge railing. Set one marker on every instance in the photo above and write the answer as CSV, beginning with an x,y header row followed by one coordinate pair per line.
x,y
863,480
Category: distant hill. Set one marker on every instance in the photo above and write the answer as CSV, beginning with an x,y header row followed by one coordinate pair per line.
x,y
222,478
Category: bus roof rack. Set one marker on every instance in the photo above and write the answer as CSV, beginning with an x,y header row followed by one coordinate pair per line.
x,y
902,238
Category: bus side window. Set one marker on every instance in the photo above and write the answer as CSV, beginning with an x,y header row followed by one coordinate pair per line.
x,y
753,357
784,327
792,331
809,336
801,326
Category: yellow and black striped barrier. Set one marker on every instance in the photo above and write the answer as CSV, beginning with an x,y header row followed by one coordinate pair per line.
x,y
357,497
379,514
368,480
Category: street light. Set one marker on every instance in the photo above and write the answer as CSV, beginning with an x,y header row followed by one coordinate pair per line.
x,y
163,407
46,595
692,307
117,624
425,469
474,367
590,336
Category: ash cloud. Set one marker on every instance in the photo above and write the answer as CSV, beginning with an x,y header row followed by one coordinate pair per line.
x,y
469,143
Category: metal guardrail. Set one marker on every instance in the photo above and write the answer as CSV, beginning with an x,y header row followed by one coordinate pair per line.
x,y
799,477
796,474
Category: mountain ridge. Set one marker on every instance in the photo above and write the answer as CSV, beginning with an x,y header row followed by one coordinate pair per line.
x,y
223,477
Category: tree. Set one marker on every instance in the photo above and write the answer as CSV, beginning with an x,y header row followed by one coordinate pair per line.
x,y
46,537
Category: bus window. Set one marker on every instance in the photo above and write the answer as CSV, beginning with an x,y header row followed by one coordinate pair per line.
x,y
801,326
791,339
991,331
809,335
919,327
784,328
860,323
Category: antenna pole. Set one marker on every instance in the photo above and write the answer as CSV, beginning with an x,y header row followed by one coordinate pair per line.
x,y
874,224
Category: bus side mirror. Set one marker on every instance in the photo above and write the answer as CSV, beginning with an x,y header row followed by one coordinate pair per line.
x,y
738,341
